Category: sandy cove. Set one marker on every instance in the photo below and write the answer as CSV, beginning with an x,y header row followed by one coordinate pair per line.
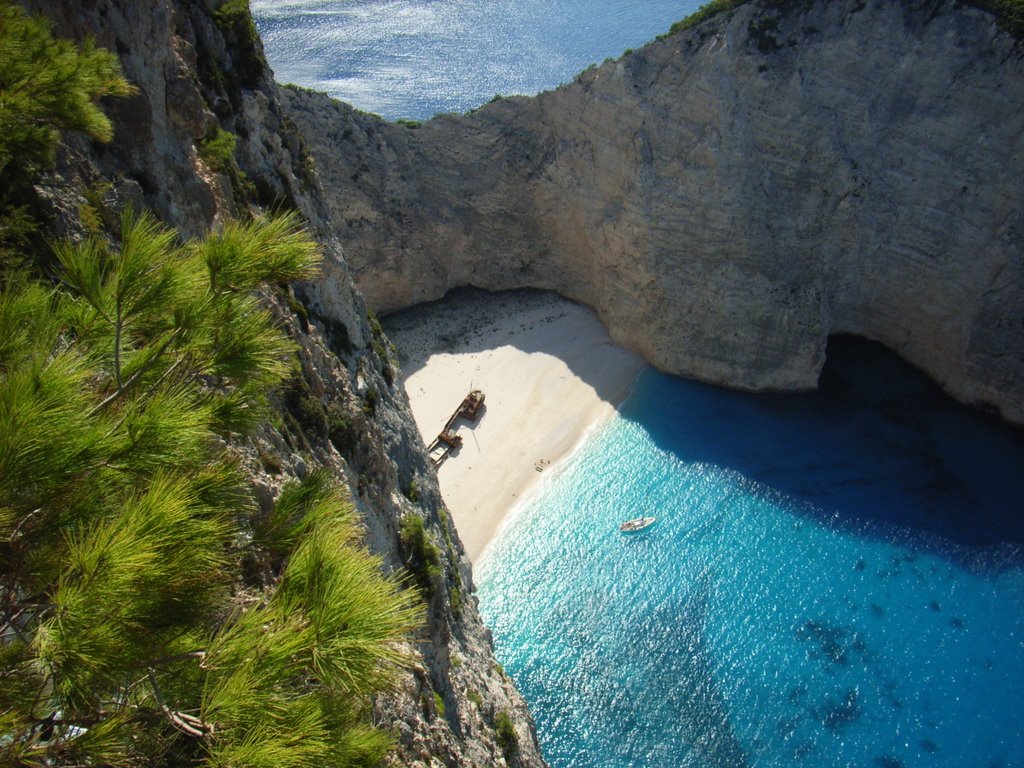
x,y
549,372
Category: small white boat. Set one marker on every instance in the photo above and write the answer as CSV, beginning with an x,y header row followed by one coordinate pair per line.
x,y
636,524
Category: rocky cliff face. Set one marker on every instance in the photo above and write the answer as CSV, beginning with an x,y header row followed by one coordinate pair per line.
x,y
200,70
728,197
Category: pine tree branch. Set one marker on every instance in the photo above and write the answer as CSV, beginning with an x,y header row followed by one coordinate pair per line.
x,y
187,724
117,350
178,657
163,376
78,722
17,529
135,376
152,388
17,632
11,621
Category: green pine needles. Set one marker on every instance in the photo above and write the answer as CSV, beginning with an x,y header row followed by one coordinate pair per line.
x,y
133,631
46,86
49,85
1010,14
125,635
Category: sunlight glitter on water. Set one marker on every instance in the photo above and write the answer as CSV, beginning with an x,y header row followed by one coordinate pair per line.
x,y
749,626
416,58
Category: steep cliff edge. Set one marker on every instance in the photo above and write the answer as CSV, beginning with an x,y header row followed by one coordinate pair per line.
x,y
205,139
729,196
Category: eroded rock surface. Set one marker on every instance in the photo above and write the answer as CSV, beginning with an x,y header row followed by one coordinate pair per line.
x,y
343,410
728,197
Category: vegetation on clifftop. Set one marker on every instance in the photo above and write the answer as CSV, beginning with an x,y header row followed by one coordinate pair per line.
x,y
706,11
1009,13
234,19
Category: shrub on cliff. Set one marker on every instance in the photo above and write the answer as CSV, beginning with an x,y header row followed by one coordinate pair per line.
x,y
46,86
506,734
218,150
124,520
234,19
422,557
1009,12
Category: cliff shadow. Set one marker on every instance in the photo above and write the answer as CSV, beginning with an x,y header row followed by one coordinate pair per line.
x,y
878,447
472,320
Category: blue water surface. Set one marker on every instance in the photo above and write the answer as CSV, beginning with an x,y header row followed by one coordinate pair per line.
x,y
416,58
834,580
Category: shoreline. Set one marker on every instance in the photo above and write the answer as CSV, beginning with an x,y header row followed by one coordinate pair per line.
x,y
550,374
539,485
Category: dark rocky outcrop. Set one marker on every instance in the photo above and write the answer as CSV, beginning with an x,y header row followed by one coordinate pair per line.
x,y
200,71
729,196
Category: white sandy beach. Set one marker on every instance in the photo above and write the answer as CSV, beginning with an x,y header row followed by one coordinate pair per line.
x,y
549,372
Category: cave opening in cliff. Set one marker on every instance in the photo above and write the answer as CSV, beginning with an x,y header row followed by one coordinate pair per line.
x,y
859,367
964,463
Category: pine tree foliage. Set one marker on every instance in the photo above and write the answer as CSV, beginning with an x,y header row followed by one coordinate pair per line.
x,y
326,620
124,522
47,86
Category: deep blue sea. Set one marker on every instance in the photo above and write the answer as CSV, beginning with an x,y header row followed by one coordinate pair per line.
x,y
834,579
416,58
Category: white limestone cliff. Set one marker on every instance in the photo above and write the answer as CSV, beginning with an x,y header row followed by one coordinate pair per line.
x,y
728,197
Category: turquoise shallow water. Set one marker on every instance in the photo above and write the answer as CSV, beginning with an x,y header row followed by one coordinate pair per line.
x,y
834,580
416,58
